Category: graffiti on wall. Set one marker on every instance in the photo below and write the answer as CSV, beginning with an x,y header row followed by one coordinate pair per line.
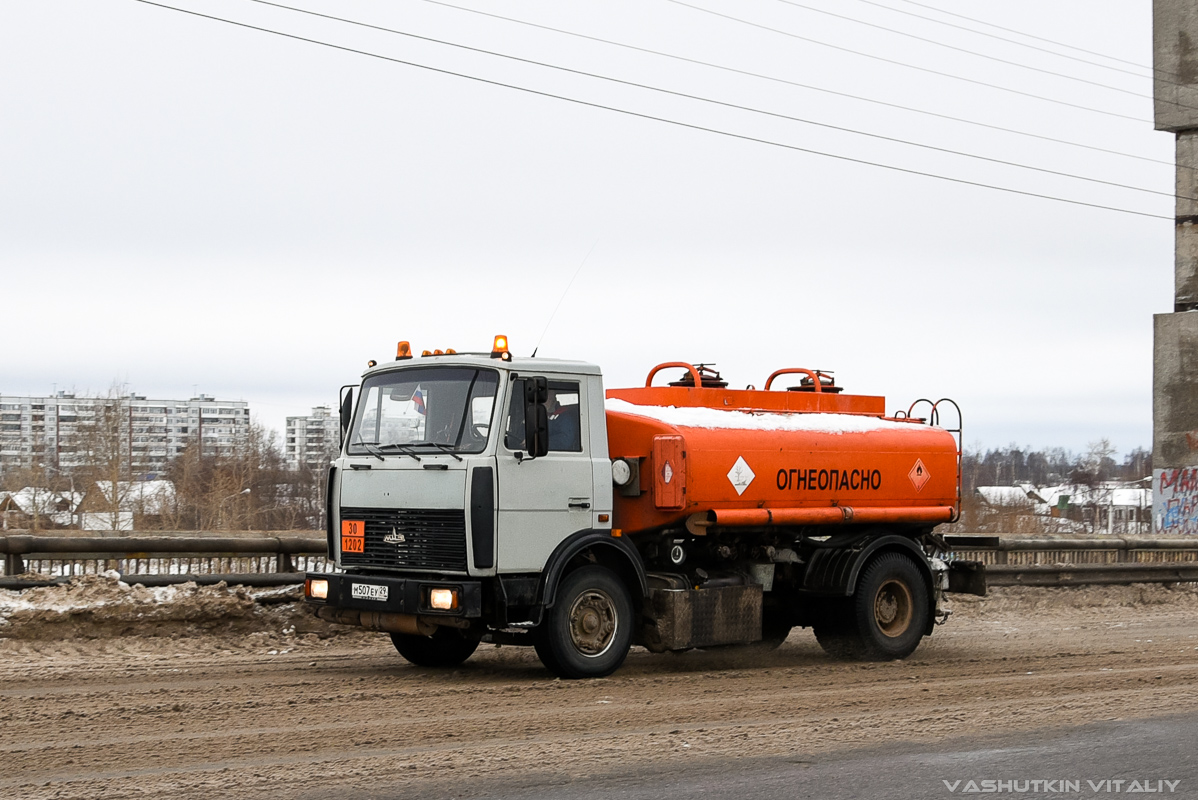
x,y
1175,500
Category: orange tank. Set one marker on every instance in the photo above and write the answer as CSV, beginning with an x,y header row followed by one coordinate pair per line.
x,y
703,455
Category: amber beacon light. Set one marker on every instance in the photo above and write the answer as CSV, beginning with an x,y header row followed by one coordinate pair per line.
x,y
403,351
499,349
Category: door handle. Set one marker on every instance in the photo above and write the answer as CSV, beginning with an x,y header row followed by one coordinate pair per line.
x,y
579,502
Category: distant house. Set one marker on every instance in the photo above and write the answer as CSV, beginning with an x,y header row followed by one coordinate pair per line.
x,y
135,504
1111,507
1021,496
36,507
1006,509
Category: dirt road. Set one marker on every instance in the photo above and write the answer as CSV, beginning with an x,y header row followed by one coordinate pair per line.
x,y
284,713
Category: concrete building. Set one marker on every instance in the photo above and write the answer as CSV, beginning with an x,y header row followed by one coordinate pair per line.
x,y
1175,335
55,431
312,441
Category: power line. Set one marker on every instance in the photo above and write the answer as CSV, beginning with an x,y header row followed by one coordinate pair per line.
x,y
722,103
965,50
904,64
1008,40
1028,35
565,292
666,120
775,79
997,59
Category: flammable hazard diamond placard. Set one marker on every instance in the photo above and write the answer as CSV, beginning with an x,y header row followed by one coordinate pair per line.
x,y
919,475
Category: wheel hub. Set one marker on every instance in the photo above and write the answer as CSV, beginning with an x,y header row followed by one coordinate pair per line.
x,y
893,608
593,622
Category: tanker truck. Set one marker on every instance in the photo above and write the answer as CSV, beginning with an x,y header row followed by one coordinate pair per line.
x,y
481,497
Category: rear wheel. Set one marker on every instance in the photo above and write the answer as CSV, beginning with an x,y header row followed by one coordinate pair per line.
x,y
885,619
447,647
775,628
891,607
587,632
836,631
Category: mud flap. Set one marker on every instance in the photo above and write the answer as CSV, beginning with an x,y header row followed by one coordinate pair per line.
x,y
967,577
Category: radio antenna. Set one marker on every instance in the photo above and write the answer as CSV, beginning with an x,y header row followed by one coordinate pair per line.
x,y
573,278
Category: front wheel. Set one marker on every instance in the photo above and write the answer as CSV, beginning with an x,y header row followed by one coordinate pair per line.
x,y
587,632
447,647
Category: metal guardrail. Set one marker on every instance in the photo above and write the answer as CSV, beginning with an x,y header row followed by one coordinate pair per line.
x,y
1078,561
1090,574
281,560
161,560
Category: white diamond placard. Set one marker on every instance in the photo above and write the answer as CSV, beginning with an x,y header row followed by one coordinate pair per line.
x,y
740,475
667,473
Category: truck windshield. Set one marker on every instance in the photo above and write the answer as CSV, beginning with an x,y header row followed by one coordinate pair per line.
x,y
438,409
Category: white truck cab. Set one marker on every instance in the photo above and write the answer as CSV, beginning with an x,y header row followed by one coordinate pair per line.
x,y
437,469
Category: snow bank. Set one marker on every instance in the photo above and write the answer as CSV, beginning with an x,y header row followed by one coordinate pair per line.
x,y
101,606
686,417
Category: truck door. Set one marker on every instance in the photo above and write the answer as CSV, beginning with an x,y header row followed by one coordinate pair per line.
x,y
543,500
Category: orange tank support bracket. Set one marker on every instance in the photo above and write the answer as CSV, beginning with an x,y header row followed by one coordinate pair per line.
x,y
816,382
833,515
681,365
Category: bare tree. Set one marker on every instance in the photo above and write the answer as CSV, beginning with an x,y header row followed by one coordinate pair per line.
x,y
247,488
105,444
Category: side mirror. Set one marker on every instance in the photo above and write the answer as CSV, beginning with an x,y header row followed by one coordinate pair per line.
x,y
347,411
536,416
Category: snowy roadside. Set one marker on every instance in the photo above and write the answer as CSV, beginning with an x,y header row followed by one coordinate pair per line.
x,y
95,607
102,606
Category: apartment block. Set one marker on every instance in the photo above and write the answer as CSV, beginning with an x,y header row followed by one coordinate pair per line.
x,y
312,441
57,431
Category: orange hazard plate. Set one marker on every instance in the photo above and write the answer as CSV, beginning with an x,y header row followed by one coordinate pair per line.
x,y
353,536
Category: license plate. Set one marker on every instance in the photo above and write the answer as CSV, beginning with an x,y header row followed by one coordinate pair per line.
x,y
353,536
366,591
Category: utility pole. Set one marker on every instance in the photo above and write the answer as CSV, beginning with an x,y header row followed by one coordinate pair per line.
x,y
1175,335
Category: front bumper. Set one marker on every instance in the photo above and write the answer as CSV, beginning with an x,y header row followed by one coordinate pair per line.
x,y
394,595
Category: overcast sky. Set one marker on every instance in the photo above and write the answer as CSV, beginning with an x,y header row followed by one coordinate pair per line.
x,y
185,204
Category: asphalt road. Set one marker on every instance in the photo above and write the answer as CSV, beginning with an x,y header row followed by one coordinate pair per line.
x,y
1106,760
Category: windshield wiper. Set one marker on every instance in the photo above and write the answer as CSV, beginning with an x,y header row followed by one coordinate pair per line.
x,y
402,449
376,450
370,448
444,448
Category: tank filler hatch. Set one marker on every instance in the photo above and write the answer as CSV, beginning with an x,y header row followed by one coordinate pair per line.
x,y
709,378
827,383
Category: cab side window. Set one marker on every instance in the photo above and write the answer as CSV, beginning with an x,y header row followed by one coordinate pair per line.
x,y
565,417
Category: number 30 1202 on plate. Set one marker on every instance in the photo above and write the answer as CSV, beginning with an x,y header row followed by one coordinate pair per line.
x,y
353,536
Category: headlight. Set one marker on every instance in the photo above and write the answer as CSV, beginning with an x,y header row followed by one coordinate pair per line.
x,y
443,599
318,589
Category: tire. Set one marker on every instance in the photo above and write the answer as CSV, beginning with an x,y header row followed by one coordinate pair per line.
x,y
891,608
884,620
587,632
836,631
447,647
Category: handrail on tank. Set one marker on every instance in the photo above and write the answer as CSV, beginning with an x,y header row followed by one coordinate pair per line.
x,y
957,432
669,364
789,370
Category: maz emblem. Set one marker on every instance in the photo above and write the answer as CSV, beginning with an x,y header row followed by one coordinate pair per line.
x,y
395,537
